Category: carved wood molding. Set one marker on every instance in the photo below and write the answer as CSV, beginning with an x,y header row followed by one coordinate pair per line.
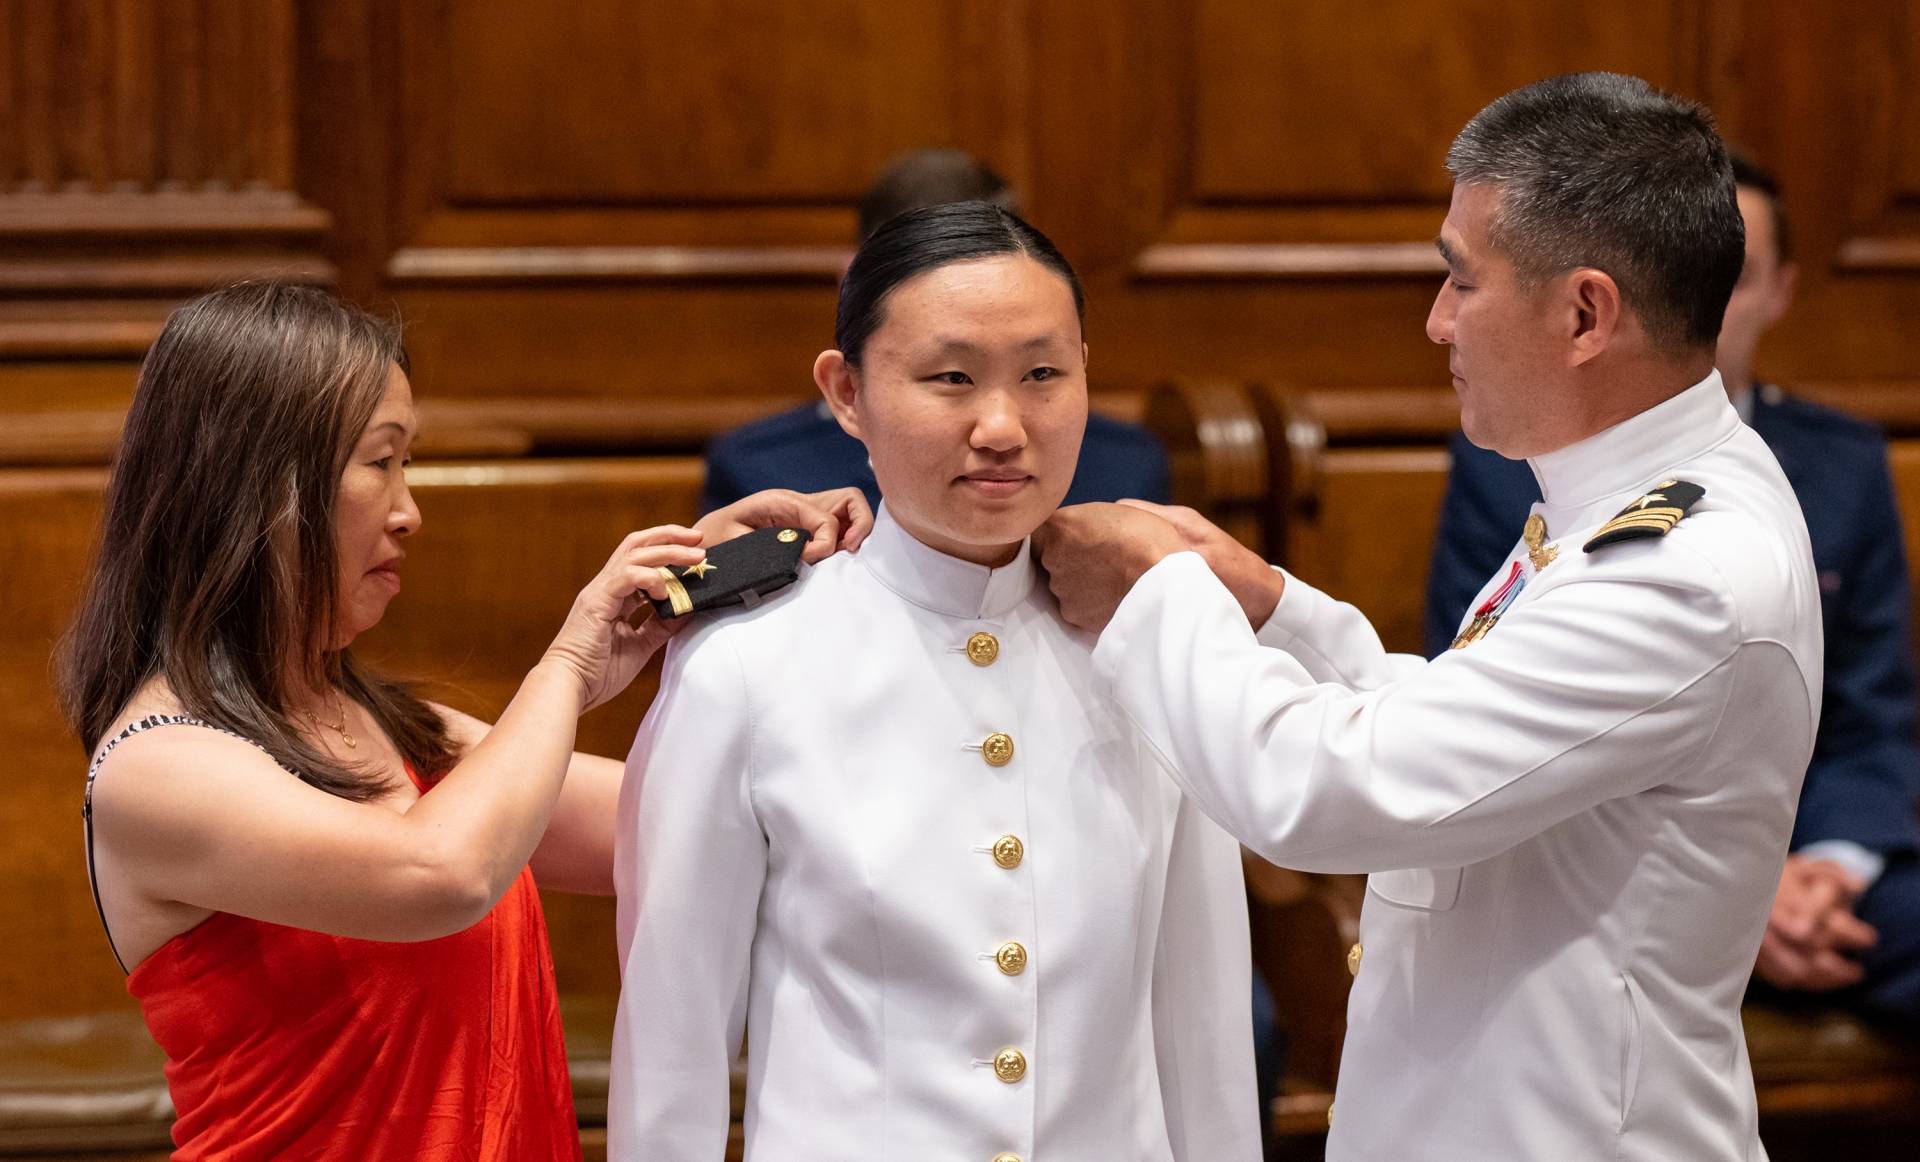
x,y
119,213
616,264
1282,260
147,155
1884,254
1261,159
637,200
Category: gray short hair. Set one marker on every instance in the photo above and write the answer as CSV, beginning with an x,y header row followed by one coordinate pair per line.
x,y
1606,171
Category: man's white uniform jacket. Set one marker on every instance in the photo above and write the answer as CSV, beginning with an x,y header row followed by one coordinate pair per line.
x,y
1575,824
1040,957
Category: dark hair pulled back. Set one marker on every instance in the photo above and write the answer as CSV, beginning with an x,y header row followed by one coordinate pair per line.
x,y
924,240
216,568
1606,171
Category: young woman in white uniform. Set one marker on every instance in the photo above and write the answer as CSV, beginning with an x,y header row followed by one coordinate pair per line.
x,y
885,824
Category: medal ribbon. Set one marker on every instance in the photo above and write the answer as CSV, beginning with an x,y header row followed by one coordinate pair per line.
x,y
1503,597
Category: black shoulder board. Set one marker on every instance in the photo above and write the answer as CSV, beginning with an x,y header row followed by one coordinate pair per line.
x,y
1653,515
736,572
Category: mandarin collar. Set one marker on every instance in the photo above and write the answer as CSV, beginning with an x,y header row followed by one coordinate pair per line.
x,y
1645,447
945,585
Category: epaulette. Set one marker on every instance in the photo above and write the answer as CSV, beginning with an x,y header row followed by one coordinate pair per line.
x,y
736,572
1653,515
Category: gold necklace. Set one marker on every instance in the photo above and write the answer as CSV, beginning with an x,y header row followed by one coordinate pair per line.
x,y
338,727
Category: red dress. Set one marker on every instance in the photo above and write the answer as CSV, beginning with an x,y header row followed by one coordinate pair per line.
x,y
288,1044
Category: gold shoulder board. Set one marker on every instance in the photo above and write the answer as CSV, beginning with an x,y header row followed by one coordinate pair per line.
x,y
1653,515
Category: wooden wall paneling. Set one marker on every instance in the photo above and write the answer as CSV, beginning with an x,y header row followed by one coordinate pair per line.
x,y
1270,185
1246,196
349,68
673,215
1822,95
1371,539
58,961
1884,226
1321,130
644,200
147,156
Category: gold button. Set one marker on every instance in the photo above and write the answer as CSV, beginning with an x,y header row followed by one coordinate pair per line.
x,y
1329,1115
788,536
1353,959
997,749
1012,958
1009,1065
1007,1157
1008,851
982,649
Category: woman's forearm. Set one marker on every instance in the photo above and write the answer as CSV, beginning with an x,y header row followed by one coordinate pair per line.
x,y
489,813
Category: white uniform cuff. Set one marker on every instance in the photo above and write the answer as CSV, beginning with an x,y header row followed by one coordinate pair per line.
x,y
1856,859
1299,602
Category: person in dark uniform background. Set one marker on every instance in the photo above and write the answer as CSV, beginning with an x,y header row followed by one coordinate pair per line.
x,y
795,448
1846,919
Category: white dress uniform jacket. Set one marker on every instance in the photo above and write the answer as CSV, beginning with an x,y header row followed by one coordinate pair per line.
x,y
1575,824
881,823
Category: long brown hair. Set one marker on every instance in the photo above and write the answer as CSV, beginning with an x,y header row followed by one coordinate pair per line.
x,y
216,568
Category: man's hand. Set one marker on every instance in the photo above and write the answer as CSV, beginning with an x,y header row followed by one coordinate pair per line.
x,y
839,519
1813,927
1093,553
1254,584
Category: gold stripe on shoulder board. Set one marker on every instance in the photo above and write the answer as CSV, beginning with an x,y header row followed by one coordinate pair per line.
x,y
1653,515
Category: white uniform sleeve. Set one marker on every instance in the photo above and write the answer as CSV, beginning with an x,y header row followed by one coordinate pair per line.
x,y
1598,689
689,862
1333,641
1202,990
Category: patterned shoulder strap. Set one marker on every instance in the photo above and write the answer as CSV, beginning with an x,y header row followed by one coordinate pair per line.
x,y
93,771
148,723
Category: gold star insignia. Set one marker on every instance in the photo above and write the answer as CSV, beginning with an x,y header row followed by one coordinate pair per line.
x,y
1648,499
701,570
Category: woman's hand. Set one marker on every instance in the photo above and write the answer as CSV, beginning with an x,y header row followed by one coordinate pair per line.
x,y
599,642
838,519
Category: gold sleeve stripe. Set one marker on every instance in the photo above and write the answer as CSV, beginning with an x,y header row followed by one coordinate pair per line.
x,y
1649,521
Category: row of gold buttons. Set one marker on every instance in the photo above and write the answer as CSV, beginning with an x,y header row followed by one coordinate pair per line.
x,y
1009,1065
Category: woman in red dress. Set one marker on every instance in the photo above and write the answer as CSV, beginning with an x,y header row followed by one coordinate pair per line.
x,y
324,886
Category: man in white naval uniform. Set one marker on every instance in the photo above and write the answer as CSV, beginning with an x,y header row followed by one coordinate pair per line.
x,y
1574,821
882,822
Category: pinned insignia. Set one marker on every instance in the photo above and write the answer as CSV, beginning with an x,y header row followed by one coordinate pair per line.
x,y
736,572
1491,609
1653,515
1539,553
